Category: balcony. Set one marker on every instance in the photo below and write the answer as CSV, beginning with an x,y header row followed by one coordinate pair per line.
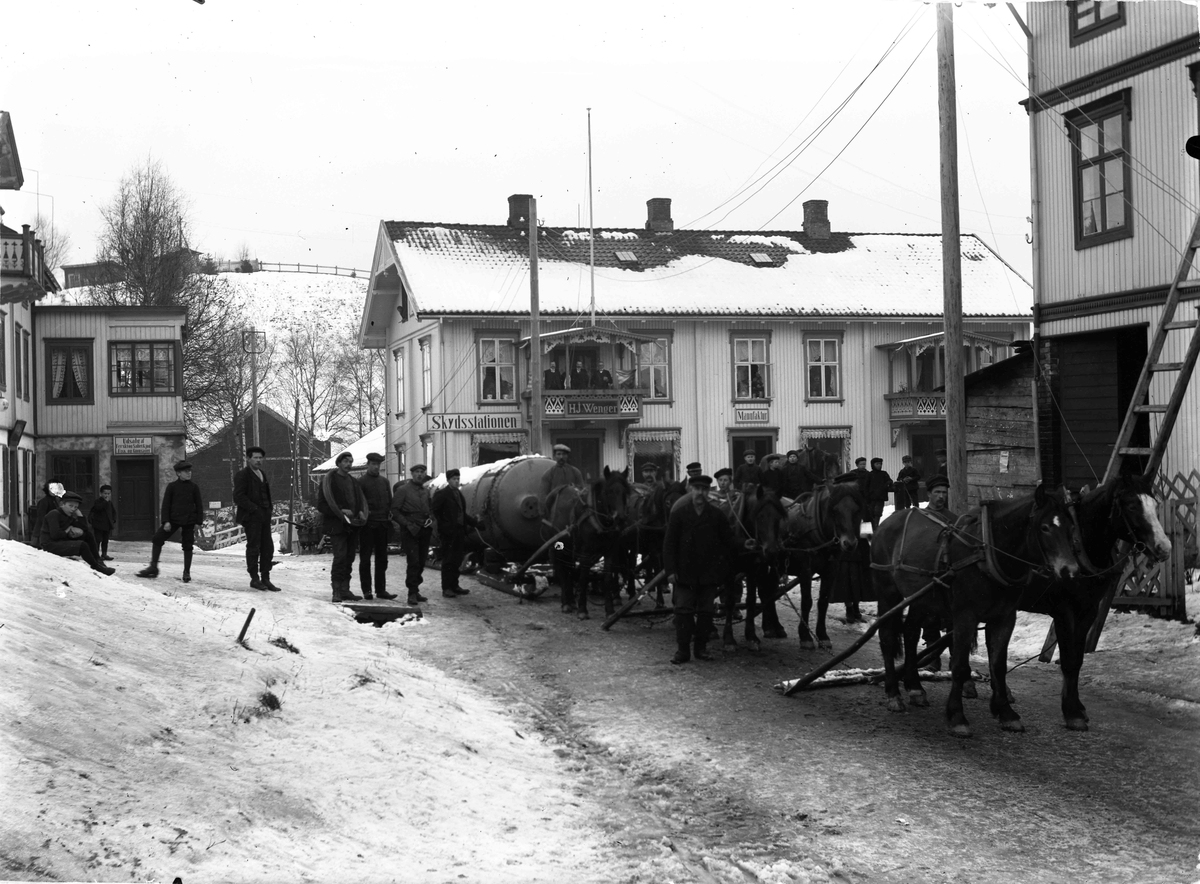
x,y
24,273
591,405
913,408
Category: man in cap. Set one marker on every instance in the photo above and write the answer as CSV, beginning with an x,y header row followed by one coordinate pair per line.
x,y
698,555
449,507
683,488
797,477
725,493
182,510
748,471
252,494
879,485
938,489
64,532
373,536
562,473
772,478
908,484
411,510
941,468
342,502
103,518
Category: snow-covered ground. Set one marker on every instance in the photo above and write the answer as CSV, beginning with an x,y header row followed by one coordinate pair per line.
x,y
137,742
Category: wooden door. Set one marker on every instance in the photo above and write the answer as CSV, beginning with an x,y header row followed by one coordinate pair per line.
x,y
136,499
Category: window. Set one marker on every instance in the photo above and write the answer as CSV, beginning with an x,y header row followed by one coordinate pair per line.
x,y
3,351
426,345
751,370
823,360
5,478
77,472
25,364
398,358
141,369
497,369
1091,18
1099,135
69,370
17,375
427,453
654,368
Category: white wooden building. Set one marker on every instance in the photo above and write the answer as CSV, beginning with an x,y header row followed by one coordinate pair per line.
x,y
1113,99
716,341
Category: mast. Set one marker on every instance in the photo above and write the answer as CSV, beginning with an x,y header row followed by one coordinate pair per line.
x,y
956,409
591,224
535,336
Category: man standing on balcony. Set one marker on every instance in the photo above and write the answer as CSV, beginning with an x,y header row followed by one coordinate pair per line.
x,y
602,377
252,495
581,378
373,536
552,379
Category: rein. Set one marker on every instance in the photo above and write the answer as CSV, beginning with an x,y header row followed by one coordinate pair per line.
x,y
822,493
1134,547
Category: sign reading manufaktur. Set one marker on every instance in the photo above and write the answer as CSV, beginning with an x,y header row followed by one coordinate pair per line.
x,y
477,421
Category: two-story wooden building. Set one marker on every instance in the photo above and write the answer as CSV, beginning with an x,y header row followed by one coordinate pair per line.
x,y
1113,100
109,405
705,343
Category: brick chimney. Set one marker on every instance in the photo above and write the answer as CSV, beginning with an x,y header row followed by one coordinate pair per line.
x,y
658,215
518,211
816,218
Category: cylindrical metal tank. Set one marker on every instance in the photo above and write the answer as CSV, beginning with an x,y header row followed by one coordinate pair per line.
x,y
504,496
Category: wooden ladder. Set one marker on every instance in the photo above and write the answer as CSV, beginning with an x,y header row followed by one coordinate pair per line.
x,y
1139,406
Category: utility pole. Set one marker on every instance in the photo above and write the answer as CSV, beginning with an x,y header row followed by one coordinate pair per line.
x,y
956,407
250,344
535,335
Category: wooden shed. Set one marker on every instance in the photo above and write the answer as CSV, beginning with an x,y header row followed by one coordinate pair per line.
x,y
1001,435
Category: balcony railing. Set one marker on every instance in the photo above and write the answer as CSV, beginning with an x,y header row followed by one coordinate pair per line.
x,y
18,258
909,407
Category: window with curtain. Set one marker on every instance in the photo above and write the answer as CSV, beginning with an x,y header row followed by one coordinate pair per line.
x,y
137,368
69,372
654,363
751,368
497,369
823,361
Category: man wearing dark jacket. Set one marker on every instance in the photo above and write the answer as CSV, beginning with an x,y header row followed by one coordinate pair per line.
x,y
345,509
103,518
410,509
797,477
698,555
908,484
748,472
182,510
66,533
252,494
879,485
449,508
373,536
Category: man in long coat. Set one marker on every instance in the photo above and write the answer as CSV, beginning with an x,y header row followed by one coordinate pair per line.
x,y
373,536
411,510
252,495
345,509
879,485
450,510
698,555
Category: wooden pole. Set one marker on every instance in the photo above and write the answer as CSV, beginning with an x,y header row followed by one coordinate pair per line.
x,y
956,411
536,406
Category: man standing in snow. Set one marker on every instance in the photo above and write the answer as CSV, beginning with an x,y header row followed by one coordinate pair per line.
x,y
449,507
252,494
65,533
103,518
182,510
345,509
373,536
411,509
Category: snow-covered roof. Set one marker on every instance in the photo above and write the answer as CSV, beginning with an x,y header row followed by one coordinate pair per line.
x,y
483,270
376,440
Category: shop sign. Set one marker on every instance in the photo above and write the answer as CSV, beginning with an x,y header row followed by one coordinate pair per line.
x,y
745,414
441,423
124,446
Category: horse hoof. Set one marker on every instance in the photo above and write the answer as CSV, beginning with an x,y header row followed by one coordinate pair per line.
x,y
918,698
826,644
895,704
807,644
962,731
754,645
969,692
584,615
1076,724
1013,726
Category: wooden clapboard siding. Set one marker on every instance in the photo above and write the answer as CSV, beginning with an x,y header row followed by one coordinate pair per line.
x,y
1148,26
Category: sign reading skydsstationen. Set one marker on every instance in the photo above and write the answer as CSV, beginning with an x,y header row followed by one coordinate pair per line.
x,y
442,423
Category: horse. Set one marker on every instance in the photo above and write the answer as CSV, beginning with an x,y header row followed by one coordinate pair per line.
x,y
757,521
978,566
820,526
595,519
1122,509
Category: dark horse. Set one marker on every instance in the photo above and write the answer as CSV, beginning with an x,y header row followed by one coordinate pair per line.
x,y
757,521
1122,509
992,552
596,520
819,527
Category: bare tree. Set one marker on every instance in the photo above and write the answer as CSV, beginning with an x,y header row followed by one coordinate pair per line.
x,y
56,244
363,379
308,371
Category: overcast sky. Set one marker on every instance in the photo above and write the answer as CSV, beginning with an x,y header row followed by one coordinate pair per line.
x,y
295,127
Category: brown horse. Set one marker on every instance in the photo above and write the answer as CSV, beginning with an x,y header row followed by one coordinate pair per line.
x,y
1122,509
595,519
979,566
819,527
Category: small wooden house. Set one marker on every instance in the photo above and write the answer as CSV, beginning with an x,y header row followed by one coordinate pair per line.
x,y
1001,433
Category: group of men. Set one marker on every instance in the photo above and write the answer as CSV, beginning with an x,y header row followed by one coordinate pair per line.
x,y
580,378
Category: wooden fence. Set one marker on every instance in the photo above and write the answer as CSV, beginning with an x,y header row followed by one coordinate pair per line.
x,y
333,270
